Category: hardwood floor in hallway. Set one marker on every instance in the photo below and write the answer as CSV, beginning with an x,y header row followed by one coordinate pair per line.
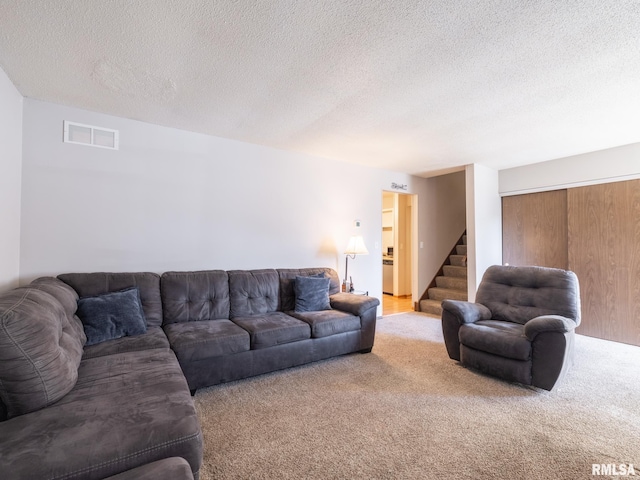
x,y
392,305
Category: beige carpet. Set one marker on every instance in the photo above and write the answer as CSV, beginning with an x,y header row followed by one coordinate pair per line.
x,y
407,411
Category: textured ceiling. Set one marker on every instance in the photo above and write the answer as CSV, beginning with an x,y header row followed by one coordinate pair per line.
x,y
413,86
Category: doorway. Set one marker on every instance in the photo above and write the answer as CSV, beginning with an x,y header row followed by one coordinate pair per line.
x,y
399,214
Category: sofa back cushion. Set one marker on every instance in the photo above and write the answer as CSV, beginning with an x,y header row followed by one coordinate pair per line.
x,y
40,350
253,292
518,294
194,296
91,284
68,298
287,278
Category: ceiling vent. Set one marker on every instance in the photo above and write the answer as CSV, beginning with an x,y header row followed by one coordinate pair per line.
x,y
90,135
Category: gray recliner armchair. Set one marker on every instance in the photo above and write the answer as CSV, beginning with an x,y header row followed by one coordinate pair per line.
x,y
521,327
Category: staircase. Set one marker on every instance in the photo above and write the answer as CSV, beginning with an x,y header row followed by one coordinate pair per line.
x,y
451,285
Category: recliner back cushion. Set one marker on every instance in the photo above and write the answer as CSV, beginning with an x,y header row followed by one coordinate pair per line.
x,y
518,294
253,292
90,284
194,296
39,350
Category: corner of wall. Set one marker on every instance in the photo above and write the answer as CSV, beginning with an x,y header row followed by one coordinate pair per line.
x,y
484,223
10,180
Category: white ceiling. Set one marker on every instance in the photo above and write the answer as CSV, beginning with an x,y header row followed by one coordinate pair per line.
x,y
413,86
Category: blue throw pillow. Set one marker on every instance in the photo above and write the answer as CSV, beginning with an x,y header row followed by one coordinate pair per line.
x,y
312,294
112,315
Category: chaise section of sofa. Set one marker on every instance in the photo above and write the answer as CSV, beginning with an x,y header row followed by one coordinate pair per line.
x,y
76,416
126,410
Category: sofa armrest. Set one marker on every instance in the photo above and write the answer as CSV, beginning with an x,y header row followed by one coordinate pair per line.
x,y
548,323
466,312
353,304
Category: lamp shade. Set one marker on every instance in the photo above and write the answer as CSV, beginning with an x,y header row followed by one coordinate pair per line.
x,y
356,246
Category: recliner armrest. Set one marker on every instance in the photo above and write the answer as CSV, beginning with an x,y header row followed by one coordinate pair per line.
x,y
548,323
466,312
353,304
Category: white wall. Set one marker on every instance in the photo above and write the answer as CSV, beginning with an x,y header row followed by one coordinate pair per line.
x,y
443,210
611,165
176,200
10,174
484,224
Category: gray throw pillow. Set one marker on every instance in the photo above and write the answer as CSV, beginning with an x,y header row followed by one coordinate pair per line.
x,y
112,315
312,294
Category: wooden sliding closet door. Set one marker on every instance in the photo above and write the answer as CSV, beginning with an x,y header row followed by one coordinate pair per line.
x,y
534,229
604,251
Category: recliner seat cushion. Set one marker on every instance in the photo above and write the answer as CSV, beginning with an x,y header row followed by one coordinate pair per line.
x,y
328,322
210,338
506,339
273,328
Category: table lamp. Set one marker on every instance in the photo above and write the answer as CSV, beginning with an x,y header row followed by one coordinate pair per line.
x,y
355,247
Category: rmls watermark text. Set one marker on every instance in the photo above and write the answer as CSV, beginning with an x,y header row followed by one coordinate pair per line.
x,y
621,469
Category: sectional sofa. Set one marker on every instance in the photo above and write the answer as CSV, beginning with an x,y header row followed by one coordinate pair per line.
x,y
76,404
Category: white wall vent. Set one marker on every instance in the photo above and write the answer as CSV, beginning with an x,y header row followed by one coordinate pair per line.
x,y
90,135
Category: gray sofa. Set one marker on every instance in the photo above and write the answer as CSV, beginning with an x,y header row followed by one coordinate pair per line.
x,y
123,407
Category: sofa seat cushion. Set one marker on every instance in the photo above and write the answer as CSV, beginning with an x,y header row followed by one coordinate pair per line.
x,y
153,338
205,339
273,328
328,322
506,339
126,410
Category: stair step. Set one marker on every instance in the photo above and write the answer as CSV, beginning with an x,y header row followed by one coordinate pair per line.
x,y
461,249
464,239
447,294
457,283
454,271
458,260
432,307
